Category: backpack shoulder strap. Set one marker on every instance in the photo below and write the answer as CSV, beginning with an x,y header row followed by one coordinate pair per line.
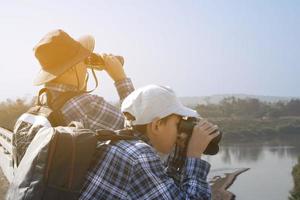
x,y
53,107
57,117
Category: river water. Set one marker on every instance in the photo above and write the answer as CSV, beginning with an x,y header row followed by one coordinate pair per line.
x,y
269,176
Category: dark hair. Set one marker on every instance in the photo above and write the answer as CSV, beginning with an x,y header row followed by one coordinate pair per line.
x,y
143,127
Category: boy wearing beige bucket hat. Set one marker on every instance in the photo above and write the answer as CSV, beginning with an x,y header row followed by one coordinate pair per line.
x,y
133,169
63,69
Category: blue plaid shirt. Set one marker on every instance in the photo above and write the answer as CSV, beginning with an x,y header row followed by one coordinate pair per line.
x,y
92,110
133,170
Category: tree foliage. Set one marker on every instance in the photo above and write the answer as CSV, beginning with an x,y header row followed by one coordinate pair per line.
x,y
250,108
295,193
10,110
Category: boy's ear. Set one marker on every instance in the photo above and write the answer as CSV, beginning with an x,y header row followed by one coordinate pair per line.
x,y
155,125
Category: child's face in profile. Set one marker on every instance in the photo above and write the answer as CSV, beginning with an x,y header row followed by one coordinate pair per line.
x,y
166,134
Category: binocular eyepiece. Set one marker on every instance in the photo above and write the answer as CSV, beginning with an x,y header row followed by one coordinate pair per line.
x,y
187,126
96,61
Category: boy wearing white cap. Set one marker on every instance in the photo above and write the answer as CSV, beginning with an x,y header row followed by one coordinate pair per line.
x,y
133,169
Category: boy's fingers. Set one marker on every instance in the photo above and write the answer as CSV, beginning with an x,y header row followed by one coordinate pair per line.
x,y
213,135
206,126
212,128
115,59
201,122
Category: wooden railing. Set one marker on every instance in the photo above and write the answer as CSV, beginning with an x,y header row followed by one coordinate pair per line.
x,y
6,159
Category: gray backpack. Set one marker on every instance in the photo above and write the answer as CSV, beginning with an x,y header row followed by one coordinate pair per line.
x,y
50,158
51,161
55,164
42,114
57,160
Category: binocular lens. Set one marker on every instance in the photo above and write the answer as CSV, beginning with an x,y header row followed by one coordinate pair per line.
x,y
187,126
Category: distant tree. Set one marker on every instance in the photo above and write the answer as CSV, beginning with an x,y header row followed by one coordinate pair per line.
x,y
295,193
274,113
293,107
10,110
249,108
210,110
227,106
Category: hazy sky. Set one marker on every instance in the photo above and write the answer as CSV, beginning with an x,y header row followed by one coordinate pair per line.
x,y
196,47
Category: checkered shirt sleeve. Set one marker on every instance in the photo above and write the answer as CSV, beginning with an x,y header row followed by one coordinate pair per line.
x,y
96,113
124,88
132,170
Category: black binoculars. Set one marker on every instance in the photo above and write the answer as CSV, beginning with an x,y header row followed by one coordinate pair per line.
x,y
186,125
96,61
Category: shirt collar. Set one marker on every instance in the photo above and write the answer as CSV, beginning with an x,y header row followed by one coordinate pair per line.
x,y
59,87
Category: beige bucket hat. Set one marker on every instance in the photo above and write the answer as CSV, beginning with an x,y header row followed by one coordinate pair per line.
x,y
57,52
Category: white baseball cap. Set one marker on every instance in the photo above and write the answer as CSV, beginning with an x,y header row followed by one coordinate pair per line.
x,y
152,101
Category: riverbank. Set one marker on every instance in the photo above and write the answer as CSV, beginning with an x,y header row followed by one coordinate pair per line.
x,y
258,130
295,193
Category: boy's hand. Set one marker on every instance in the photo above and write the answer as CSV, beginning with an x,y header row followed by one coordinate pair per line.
x,y
201,137
113,67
